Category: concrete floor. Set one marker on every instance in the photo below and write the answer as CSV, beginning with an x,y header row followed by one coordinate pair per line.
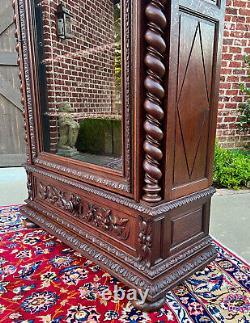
x,y
230,216
230,221
13,188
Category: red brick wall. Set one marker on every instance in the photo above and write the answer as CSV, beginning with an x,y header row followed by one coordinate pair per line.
x,y
80,70
236,45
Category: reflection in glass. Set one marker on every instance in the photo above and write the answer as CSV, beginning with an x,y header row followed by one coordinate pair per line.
x,y
83,114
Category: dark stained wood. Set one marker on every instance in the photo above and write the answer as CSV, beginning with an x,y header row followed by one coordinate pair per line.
x,y
192,96
192,115
149,229
155,93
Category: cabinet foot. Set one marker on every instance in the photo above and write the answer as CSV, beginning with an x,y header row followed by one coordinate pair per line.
x,y
29,224
149,306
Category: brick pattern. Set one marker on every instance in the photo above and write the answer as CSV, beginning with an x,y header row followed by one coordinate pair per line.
x,y
80,70
236,44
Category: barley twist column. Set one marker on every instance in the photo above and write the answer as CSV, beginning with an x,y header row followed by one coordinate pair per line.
x,y
154,60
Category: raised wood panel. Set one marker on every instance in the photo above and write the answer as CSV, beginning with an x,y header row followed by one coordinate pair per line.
x,y
186,226
84,211
193,85
181,229
193,98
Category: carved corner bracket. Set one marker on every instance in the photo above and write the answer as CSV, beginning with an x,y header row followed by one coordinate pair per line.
x,y
145,240
155,93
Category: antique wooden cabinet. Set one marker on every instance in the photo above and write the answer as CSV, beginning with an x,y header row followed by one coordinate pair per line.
x,y
120,103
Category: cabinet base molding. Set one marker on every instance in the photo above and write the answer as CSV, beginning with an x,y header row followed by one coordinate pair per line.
x,y
136,198
128,269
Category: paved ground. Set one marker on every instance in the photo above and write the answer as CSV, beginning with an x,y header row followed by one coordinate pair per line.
x,y
12,185
230,218
230,221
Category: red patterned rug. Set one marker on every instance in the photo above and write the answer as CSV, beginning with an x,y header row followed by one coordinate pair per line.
x,y
42,280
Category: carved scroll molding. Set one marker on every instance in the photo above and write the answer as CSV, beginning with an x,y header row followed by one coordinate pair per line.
x,y
84,175
152,272
147,210
22,48
154,60
68,202
145,240
127,90
104,219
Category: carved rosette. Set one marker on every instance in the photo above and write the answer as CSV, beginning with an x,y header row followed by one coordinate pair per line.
x,y
68,202
105,220
145,240
156,50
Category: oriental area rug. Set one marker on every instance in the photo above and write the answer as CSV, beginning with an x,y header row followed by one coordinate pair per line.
x,y
43,280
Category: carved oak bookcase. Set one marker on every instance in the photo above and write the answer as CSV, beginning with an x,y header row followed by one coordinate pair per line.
x,y
136,84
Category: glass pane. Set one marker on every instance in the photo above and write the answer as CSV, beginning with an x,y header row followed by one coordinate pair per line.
x,y
82,67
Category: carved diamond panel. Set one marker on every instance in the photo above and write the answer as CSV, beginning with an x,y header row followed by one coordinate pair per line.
x,y
193,98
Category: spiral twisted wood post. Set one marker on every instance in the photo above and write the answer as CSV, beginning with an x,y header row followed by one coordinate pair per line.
x,y
156,49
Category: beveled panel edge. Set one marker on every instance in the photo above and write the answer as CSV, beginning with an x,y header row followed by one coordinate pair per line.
x,y
34,155
205,8
84,175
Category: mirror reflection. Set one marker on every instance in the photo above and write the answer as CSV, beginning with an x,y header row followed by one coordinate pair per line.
x,y
81,66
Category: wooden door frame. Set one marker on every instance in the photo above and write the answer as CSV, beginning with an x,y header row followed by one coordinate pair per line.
x,y
7,91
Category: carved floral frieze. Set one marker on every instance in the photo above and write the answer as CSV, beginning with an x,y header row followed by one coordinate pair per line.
x,y
97,216
106,220
145,240
69,202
